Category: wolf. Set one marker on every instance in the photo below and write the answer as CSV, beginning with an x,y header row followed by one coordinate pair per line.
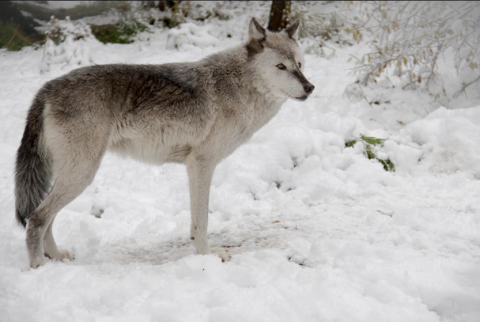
x,y
194,113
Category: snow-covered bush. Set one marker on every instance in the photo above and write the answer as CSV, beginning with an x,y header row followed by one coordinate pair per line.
x,y
189,34
408,38
65,44
119,33
318,27
315,23
177,12
204,10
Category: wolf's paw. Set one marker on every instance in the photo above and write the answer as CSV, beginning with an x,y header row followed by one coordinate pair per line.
x,y
61,254
222,253
65,254
36,263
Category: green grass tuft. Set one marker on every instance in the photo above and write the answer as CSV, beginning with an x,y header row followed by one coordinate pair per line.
x,y
369,141
12,38
119,33
350,144
387,165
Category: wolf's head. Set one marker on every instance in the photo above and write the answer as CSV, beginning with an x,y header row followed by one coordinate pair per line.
x,y
278,62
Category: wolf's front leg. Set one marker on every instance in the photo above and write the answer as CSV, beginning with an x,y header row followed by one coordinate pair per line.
x,y
200,172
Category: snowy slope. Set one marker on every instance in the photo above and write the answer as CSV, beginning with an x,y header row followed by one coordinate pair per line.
x,y
317,231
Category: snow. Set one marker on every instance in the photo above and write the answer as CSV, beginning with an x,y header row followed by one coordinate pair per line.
x,y
188,35
317,231
64,4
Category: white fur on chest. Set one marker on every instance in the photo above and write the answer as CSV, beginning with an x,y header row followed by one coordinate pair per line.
x,y
228,134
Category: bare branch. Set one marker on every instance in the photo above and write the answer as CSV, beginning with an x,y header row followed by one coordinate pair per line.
x,y
464,87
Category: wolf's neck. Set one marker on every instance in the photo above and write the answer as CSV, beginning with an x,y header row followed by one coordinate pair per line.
x,y
235,83
233,65
238,90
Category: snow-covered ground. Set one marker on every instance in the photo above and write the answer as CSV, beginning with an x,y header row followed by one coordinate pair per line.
x,y
317,231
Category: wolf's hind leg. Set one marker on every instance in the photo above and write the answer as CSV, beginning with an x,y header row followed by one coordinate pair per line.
x,y
40,221
75,163
50,247
40,239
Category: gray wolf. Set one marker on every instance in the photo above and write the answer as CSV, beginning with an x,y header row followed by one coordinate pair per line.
x,y
193,113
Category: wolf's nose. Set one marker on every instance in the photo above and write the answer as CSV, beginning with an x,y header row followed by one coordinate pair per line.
x,y
308,88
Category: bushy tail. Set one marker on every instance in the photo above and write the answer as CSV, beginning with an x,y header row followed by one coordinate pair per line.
x,y
33,172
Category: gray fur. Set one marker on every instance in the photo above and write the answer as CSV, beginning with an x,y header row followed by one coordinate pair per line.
x,y
193,113
32,172
292,30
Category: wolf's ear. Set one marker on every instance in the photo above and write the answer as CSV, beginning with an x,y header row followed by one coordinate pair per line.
x,y
255,30
292,30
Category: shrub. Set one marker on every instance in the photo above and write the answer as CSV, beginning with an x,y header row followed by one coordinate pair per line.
x,y
121,33
409,38
317,28
65,44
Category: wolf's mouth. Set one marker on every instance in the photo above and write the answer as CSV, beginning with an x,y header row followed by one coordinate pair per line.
x,y
301,98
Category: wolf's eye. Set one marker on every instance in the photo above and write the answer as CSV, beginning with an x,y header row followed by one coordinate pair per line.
x,y
281,66
299,65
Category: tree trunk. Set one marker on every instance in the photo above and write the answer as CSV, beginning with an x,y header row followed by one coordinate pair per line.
x,y
162,5
279,14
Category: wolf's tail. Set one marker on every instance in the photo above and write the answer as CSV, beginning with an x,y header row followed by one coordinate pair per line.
x,y
33,172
